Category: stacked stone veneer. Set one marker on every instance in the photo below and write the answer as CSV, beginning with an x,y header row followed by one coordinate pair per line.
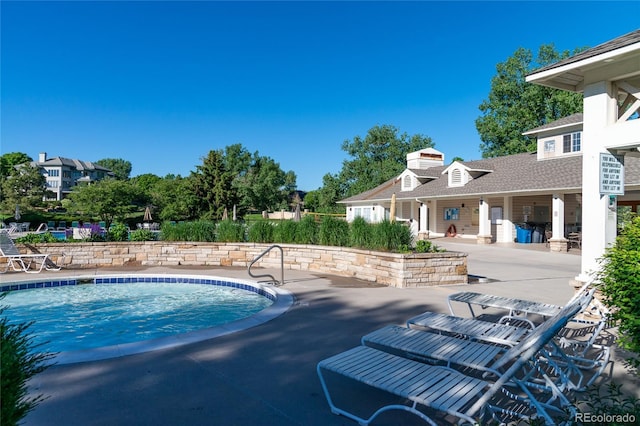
x,y
392,269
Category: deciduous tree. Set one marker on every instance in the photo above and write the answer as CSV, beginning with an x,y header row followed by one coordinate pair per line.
x,y
108,199
376,158
24,186
121,168
11,159
515,106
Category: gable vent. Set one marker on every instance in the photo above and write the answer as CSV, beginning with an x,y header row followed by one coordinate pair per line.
x,y
456,177
406,182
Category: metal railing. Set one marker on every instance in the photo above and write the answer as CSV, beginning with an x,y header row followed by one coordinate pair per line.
x,y
273,279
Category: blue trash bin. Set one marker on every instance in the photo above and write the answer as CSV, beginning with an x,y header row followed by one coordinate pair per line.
x,y
523,235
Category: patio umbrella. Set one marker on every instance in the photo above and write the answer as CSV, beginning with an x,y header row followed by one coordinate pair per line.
x,y
17,214
392,210
234,213
147,214
225,214
297,216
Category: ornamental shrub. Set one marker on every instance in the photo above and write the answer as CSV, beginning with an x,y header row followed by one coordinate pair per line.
x,y
142,235
620,285
200,230
46,237
20,362
307,231
426,246
261,232
285,231
229,231
118,232
360,233
390,236
333,232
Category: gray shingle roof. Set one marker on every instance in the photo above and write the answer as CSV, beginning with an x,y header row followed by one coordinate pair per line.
x,y
563,122
76,164
616,43
512,174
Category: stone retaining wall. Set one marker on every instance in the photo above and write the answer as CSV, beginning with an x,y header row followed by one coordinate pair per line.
x,y
392,269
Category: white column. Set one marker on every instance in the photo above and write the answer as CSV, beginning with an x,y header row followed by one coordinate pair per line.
x,y
423,218
507,220
557,218
484,228
598,222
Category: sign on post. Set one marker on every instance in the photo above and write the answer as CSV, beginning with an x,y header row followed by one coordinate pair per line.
x,y
611,174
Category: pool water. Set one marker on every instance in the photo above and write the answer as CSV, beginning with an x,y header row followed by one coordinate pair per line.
x,y
59,235
86,316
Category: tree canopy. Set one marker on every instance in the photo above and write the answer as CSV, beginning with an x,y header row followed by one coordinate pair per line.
x,y
212,186
515,106
24,186
109,199
121,168
377,157
11,159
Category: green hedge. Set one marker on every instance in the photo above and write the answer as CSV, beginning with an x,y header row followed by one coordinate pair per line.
x,y
329,231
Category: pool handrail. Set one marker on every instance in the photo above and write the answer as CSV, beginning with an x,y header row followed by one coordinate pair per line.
x,y
273,279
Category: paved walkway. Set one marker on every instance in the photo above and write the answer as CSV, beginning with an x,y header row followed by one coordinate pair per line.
x,y
266,375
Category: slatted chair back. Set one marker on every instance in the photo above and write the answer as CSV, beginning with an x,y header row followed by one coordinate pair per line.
x,y
522,353
542,334
7,247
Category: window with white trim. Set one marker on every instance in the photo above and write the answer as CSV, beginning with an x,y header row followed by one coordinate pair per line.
x,y
572,142
550,146
363,212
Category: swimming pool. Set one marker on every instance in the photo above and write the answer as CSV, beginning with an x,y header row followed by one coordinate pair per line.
x,y
105,316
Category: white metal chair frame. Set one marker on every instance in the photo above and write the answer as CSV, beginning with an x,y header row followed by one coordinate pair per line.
x,y
16,261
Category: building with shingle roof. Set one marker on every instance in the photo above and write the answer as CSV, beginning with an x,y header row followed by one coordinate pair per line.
x,y
62,174
519,190
586,168
608,77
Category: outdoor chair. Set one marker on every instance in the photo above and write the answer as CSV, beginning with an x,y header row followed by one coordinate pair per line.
x,y
465,354
29,263
576,344
434,391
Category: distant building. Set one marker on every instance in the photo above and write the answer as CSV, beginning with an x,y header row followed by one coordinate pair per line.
x,y
62,174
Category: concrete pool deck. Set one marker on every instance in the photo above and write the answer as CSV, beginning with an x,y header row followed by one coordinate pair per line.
x,y
266,375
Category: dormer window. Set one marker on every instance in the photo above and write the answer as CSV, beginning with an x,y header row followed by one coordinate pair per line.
x,y
459,174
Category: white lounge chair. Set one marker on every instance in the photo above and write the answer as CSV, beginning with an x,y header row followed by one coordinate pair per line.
x,y
573,347
509,395
512,306
484,331
464,354
29,263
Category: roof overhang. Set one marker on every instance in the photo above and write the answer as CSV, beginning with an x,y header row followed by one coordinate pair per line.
x,y
553,129
574,75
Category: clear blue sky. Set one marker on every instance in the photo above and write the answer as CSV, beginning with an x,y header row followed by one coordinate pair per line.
x,y
162,83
